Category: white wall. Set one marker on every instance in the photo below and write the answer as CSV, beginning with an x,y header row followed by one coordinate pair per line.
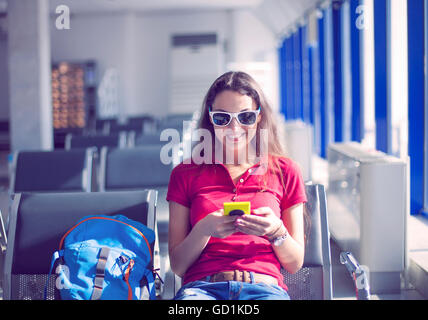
x,y
99,37
154,49
254,42
137,45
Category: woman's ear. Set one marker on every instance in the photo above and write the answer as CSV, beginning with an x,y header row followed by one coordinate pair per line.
x,y
259,118
210,120
209,117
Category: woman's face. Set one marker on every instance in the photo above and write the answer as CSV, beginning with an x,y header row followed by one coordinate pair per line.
x,y
234,136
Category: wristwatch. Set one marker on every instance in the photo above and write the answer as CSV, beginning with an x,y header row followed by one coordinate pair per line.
x,y
277,241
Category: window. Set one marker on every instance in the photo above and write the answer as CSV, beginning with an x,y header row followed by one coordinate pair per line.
x,y
416,108
306,79
425,156
356,27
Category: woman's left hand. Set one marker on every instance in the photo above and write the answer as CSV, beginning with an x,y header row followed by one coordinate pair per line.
x,y
263,222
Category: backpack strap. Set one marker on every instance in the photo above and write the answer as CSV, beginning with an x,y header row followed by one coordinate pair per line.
x,y
99,277
56,255
151,285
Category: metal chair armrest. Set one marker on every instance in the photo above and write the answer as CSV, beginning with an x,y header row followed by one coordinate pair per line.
x,y
359,275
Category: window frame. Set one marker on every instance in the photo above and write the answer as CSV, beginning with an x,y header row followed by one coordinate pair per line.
x,y
417,120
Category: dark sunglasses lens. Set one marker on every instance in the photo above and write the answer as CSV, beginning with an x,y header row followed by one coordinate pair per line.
x,y
247,117
221,119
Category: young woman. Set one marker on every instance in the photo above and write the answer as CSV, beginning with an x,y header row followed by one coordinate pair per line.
x,y
236,257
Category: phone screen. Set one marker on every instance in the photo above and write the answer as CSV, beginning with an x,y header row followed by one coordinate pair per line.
x,y
236,208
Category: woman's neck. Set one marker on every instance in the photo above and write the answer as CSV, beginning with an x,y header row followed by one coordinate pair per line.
x,y
241,158
245,165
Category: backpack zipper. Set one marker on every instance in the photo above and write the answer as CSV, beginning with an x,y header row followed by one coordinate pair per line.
x,y
104,218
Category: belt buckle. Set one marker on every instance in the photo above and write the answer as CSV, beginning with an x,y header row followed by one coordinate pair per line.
x,y
236,275
242,276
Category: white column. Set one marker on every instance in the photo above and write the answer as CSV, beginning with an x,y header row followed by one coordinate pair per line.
x,y
29,75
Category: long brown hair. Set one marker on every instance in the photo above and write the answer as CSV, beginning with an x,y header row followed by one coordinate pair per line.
x,y
244,84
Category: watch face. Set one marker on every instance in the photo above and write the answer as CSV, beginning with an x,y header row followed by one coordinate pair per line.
x,y
278,241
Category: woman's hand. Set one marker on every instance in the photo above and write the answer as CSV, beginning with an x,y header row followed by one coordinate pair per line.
x,y
217,225
263,222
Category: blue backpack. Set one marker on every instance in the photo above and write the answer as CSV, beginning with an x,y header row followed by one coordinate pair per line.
x,y
105,258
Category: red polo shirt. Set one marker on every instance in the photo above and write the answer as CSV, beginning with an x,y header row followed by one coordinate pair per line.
x,y
204,188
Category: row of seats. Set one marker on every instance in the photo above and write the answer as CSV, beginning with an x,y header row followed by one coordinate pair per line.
x,y
123,139
133,134
54,189
38,221
88,170
96,174
143,124
73,173
82,165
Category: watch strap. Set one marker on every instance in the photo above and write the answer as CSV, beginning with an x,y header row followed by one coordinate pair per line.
x,y
279,235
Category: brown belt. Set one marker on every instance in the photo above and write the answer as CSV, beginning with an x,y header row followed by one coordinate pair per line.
x,y
242,276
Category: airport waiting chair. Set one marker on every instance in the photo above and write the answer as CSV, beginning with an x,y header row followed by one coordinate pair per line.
x,y
118,140
137,168
177,117
133,168
39,220
3,244
53,171
3,236
148,122
175,121
98,141
150,139
139,124
130,126
314,280
102,126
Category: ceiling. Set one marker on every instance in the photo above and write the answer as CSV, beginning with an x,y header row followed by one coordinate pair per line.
x,y
85,6
277,15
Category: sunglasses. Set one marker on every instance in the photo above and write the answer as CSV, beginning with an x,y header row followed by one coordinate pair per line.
x,y
223,118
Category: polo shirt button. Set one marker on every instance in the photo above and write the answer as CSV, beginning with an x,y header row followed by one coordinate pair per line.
x,y
241,180
250,170
234,190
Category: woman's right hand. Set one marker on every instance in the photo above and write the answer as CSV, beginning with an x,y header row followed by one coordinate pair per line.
x,y
217,225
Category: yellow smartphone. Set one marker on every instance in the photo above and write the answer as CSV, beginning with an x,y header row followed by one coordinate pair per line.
x,y
236,208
